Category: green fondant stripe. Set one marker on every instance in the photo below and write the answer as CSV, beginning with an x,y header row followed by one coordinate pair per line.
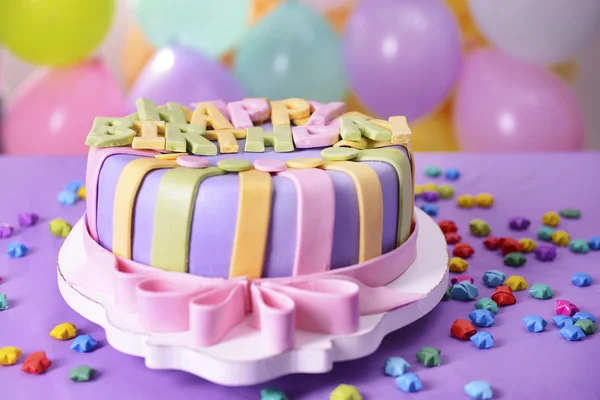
x,y
401,164
173,216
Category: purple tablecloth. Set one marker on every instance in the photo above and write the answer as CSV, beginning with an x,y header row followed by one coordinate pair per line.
x,y
522,365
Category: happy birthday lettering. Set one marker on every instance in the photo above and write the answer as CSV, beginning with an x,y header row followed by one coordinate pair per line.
x,y
297,123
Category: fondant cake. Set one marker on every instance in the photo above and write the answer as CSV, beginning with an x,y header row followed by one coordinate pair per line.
x,y
200,215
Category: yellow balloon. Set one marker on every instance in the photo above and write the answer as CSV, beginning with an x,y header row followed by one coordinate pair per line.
x,y
567,71
338,17
54,32
136,53
435,132
472,37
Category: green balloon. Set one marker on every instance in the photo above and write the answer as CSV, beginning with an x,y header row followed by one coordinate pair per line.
x,y
292,52
54,32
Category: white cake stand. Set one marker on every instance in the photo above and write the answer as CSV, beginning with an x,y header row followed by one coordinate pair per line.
x,y
242,361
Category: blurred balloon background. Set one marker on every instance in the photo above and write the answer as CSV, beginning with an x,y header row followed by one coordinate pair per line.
x,y
470,75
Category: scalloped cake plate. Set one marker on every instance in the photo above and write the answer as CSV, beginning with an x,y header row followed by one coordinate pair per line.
x,y
240,359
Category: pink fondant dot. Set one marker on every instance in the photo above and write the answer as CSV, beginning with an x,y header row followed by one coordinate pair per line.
x,y
192,162
269,165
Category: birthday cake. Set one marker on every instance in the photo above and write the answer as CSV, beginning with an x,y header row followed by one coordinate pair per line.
x,y
201,215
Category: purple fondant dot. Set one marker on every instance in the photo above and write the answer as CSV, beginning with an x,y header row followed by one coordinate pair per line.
x,y
192,162
519,223
430,197
269,165
545,253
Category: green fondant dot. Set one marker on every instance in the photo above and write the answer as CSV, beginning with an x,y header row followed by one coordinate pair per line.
x,y
339,153
570,213
234,165
433,171
515,259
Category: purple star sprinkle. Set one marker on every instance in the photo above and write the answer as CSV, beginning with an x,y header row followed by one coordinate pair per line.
x,y
430,197
28,219
5,231
519,223
545,253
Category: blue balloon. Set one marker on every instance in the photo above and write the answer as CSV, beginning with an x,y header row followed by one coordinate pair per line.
x,y
209,26
292,52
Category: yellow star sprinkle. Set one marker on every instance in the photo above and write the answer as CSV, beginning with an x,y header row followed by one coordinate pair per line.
x,y
9,355
64,331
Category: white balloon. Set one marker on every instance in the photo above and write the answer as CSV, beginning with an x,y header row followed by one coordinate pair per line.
x,y
542,31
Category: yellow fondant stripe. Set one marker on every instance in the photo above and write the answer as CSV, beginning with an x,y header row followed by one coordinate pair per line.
x,y
173,216
252,228
127,187
400,162
370,205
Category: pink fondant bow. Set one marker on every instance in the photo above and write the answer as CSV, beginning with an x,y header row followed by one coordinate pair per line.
x,y
212,308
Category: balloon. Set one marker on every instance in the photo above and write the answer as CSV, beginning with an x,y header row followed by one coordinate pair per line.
x,y
339,17
209,26
503,104
402,56
568,71
54,32
472,37
538,30
292,52
136,53
54,110
435,132
184,76
325,5
260,8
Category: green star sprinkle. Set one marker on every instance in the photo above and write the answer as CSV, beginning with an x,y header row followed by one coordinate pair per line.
x,y
82,373
515,259
587,326
445,191
545,233
487,304
570,213
541,291
447,295
480,228
272,394
429,356
580,246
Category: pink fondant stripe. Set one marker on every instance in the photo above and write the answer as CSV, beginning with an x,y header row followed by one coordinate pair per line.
x,y
96,158
316,213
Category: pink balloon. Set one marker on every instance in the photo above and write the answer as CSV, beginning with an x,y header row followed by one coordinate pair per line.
x,y
507,105
53,111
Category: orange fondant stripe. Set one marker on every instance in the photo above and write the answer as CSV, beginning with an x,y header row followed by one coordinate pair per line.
x,y
252,228
127,187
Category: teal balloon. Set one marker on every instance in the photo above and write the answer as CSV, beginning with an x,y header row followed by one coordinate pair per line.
x,y
210,27
292,52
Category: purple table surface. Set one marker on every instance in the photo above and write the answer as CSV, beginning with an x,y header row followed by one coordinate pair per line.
x,y
522,365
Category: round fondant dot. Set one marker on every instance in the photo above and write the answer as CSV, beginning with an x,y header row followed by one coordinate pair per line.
x,y
269,165
339,153
169,156
234,165
192,162
304,163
